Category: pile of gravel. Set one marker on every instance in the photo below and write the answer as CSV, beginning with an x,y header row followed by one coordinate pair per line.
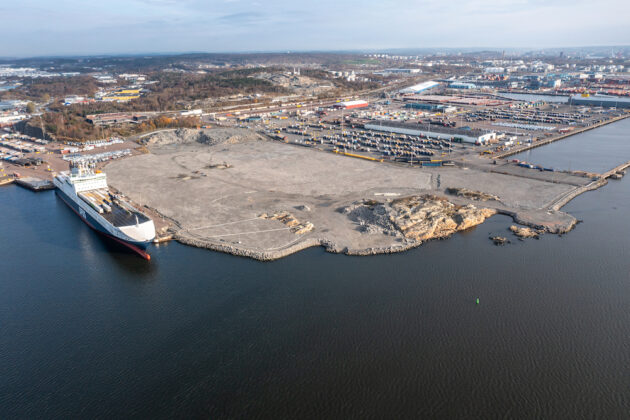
x,y
210,137
372,217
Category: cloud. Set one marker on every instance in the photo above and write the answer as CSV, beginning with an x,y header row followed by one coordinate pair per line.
x,y
242,17
127,26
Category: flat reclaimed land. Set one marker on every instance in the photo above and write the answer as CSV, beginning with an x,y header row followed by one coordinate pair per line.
x,y
235,191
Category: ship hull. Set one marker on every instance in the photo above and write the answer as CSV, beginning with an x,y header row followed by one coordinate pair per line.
x,y
137,246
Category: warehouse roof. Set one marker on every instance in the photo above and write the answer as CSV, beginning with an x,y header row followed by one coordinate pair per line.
x,y
432,128
420,87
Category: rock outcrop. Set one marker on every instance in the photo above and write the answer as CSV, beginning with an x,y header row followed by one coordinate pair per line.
x,y
416,218
290,221
473,195
524,232
499,240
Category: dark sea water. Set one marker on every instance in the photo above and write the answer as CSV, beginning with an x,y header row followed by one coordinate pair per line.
x,y
87,330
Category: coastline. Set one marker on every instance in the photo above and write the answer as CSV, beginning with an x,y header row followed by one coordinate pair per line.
x,y
560,223
223,212
543,142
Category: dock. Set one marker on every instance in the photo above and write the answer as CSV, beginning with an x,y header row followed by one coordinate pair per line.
x,y
6,180
35,184
164,238
600,181
616,171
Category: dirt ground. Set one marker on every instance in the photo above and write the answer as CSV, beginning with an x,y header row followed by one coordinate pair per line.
x,y
215,194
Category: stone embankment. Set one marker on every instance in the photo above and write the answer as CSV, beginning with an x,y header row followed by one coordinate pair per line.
x,y
214,197
564,199
276,254
261,255
618,170
414,219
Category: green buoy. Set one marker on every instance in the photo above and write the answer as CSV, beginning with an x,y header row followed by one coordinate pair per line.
x,y
477,301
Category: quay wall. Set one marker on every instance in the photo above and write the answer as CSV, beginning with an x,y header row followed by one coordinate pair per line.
x,y
544,142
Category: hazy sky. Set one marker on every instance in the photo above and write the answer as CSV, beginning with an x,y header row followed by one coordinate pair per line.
x,y
43,27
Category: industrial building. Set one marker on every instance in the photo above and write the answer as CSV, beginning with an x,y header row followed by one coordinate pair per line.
x,y
12,104
424,106
445,133
494,70
122,95
430,107
430,84
351,104
604,101
192,113
400,71
8,119
454,99
462,85
74,99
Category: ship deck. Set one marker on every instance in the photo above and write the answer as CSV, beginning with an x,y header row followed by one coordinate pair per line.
x,y
121,213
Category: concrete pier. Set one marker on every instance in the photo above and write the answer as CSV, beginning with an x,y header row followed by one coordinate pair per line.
x,y
613,171
597,183
35,184
6,180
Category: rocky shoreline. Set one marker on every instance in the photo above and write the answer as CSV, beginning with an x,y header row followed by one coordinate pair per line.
x,y
329,246
305,243
414,219
230,192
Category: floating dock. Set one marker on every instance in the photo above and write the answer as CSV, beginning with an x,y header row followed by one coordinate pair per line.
x,y
35,184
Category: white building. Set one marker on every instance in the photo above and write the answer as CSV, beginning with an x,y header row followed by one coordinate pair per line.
x,y
420,87
444,133
191,113
401,71
74,99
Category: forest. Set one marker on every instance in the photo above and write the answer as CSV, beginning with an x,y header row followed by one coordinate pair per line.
x,y
70,126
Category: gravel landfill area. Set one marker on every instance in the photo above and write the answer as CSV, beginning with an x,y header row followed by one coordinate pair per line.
x,y
217,185
208,137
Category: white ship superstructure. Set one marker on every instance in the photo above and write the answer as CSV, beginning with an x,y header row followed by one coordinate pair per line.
x,y
87,193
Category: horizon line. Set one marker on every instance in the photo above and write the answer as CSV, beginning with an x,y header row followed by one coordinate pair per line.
x,y
309,51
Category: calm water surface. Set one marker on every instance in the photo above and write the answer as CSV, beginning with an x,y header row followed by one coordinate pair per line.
x,y
597,150
87,330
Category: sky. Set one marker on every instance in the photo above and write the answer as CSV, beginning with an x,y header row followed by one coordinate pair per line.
x,y
83,27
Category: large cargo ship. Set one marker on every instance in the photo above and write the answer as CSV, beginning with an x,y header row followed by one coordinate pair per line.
x,y
87,193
